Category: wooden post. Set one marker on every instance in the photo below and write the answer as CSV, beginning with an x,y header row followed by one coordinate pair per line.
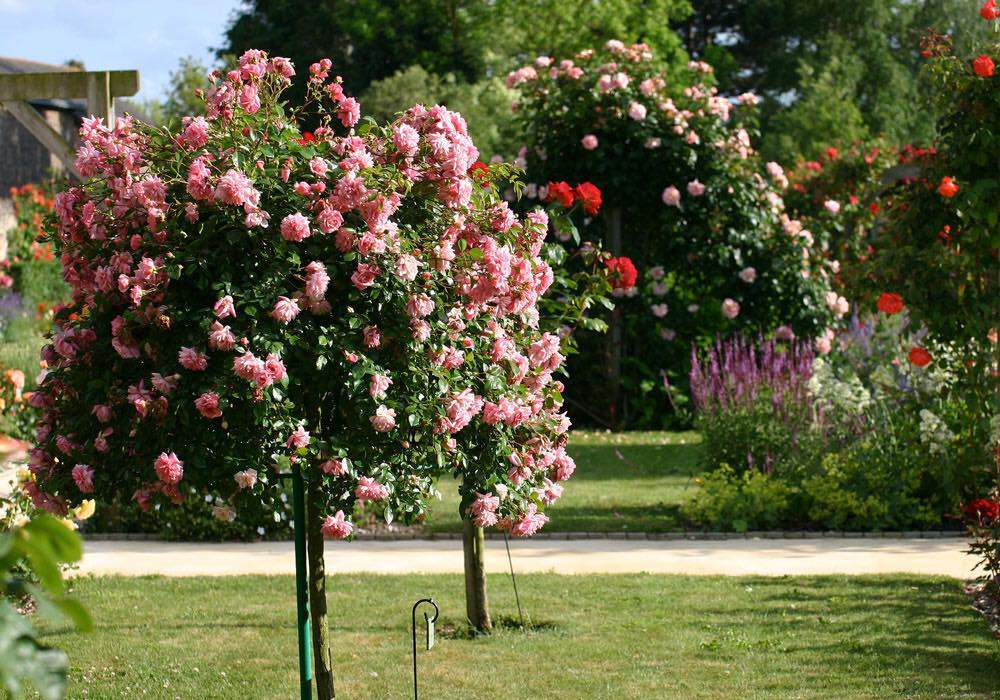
x,y
613,342
99,99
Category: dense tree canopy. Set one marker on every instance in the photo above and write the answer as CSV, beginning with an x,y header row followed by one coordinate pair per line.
x,y
816,57
469,40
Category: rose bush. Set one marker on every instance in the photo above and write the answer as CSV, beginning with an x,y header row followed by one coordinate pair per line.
x,y
351,303
685,197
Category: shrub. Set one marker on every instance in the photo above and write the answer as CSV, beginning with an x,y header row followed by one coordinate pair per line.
x,y
866,438
740,501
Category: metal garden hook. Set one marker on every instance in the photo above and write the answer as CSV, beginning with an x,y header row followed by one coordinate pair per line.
x,y
429,621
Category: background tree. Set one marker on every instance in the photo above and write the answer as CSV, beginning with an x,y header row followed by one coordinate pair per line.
x,y
484,104
766,46
368,40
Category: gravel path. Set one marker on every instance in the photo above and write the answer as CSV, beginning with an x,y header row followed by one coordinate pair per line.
x,y
727,557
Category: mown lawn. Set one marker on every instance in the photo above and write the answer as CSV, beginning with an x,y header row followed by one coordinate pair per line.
x,y
623,481
636,636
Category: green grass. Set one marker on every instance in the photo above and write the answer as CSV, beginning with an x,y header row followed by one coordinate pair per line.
x,y
623,481
634,636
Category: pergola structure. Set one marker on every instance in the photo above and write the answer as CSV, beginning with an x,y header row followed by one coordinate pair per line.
x,y
98,88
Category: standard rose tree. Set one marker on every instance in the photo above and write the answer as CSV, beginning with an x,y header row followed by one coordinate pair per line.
x,y
685,196
348,303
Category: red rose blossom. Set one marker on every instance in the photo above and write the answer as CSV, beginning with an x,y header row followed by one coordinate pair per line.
x,y
983,66
920,357
562,192
622,272
589,196
983,509
889,303
989,11
948,187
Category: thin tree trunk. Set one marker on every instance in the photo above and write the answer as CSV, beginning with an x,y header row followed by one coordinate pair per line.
x,y
322,660
477,606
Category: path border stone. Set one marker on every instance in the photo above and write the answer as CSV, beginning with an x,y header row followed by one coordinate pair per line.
x,y
601,535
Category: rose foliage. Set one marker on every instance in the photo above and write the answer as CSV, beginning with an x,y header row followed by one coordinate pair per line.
x,y
352,303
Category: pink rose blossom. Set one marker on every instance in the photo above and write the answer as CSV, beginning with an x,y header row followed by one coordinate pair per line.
x,y
419,306
285,310
695,188
369,489
333,467
384,419
208,405
748,274
317,280
246,478
637,111
193,360
336,526
529,523
406,139
298,438
295,227
671,196
378,385
224,307
169,468
103,412
372,336
349,112
589,142
83,476
221,337
236,188
730,308
406,267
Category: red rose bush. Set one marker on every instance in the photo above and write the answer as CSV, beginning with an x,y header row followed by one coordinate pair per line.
x,y
350,302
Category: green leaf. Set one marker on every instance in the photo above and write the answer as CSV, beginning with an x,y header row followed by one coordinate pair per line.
x,y
25,662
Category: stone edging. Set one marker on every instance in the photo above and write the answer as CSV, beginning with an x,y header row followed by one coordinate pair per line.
x,y
675,536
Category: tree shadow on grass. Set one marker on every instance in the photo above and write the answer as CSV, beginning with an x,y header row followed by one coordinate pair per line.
x,y
878,625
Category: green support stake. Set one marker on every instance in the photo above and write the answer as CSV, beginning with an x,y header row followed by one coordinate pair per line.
x,y
302,587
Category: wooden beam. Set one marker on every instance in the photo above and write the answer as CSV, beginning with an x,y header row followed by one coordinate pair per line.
x,y
40,129
99,99
65,85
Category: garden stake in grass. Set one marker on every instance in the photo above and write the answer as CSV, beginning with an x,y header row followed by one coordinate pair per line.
x,y
429,621
513,579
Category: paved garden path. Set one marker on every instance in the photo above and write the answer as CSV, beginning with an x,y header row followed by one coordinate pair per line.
x,y
730,557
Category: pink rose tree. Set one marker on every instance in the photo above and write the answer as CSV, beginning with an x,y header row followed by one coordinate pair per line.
x,y
684,194
353,305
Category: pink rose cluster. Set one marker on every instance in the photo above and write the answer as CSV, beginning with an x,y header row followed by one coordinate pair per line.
x,y
434,356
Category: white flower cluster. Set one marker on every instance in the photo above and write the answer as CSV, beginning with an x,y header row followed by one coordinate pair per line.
x,y
934,432
848,396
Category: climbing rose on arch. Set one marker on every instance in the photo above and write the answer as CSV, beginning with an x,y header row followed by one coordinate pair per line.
x,y
259,300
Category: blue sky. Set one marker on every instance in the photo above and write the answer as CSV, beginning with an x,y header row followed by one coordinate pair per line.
x,y
115,34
